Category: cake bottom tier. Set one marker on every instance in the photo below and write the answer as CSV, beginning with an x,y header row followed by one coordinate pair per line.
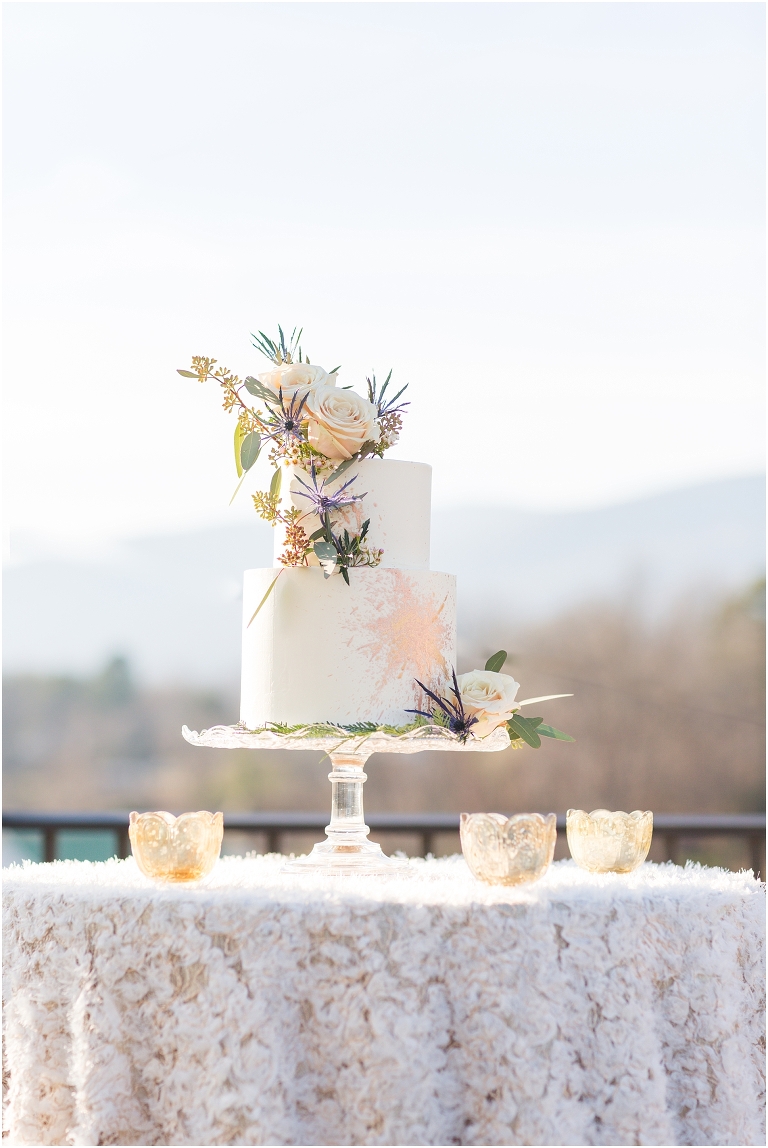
x,y
320,650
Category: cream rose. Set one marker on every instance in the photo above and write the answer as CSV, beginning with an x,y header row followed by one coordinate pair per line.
x,y
296,379
489,697
339,421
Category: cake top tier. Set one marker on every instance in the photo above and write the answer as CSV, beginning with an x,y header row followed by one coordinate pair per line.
x,y
392,496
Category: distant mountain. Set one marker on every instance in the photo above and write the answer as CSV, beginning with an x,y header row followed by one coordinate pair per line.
x,y
172,604
707,538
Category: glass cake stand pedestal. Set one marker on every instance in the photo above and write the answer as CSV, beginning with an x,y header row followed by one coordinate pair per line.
x,y
346,849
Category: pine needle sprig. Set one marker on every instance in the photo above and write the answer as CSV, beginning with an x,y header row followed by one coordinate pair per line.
x,y
279,351
376,397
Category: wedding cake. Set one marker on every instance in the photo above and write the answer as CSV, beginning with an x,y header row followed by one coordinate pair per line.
x,y
349,632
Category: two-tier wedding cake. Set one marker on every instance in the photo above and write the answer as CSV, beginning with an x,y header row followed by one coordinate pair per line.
x,y
349,632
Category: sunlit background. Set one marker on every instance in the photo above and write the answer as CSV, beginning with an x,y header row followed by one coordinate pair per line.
x,y
547,219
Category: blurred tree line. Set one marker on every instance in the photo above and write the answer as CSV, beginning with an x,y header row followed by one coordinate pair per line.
x,y
667,716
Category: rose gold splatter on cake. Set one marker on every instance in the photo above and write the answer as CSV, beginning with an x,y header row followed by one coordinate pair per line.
x,y
408,636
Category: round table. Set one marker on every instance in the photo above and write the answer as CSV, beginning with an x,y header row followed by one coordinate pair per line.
x,y
262,1008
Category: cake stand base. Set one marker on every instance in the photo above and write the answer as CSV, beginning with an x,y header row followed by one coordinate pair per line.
x,y
346,860
347,851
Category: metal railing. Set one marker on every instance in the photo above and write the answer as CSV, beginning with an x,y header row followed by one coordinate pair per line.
x,y
672,828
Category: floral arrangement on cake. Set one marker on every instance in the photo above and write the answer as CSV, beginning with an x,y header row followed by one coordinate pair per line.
x,y
310,423
475,704
471,706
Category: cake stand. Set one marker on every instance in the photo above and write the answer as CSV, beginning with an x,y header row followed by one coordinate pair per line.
x,y
347,849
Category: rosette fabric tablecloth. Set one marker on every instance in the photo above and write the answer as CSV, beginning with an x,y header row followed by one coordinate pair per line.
x,y
270,1009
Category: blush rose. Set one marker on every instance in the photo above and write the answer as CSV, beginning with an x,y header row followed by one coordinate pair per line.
x,y
296,379
339,421
489,697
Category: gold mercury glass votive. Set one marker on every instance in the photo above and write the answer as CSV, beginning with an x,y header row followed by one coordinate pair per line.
x,y
508,850
606,842
169,848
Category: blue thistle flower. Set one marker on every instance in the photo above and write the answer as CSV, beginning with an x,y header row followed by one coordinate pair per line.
x,y
286,423
459,722
325,504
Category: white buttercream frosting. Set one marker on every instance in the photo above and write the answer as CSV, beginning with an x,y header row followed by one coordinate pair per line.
x,y
397,501
320,650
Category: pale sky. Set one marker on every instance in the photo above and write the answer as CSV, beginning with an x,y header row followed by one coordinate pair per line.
x,y
547,218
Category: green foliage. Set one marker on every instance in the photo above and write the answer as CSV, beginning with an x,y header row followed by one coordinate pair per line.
x,y
377,396
249,449
255,388
341,468
550,731
277,350
344,551
525,728
325,552
495,662
284,425
531,731
266,505
355,730
272,585
239,436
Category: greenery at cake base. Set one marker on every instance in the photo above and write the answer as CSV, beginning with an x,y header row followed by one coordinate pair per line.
x,y
334,729
365,729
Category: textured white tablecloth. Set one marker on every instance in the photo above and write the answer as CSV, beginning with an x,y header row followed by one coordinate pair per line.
x,y
262,1009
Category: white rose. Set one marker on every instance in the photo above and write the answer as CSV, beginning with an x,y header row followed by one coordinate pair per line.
x,y
489,697
339,421
296,379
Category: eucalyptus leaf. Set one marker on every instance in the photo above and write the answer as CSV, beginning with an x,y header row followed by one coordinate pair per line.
x,y
188,374
255,388
317,534
240,483
249,449
550,731
325,551
238,442
337,473
495,663
276,484
523,728
272,585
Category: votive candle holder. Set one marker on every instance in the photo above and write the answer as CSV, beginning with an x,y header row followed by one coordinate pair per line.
x,y
609,842
176,849
508,850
